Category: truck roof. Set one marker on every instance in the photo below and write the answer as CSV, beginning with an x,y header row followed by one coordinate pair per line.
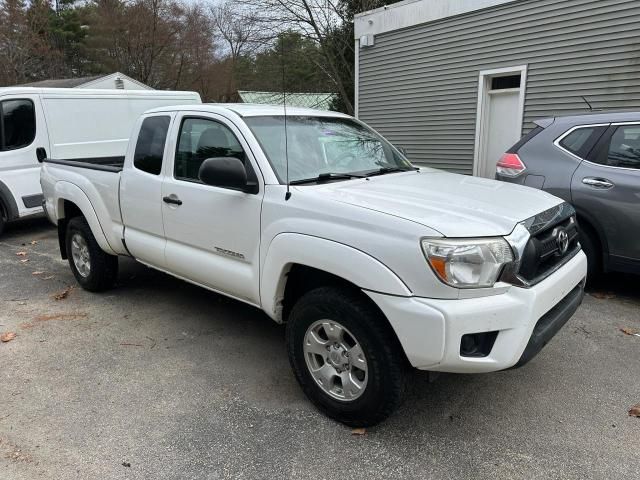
x,y
250,110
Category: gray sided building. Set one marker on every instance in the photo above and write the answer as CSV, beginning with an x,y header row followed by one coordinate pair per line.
x,y
457,82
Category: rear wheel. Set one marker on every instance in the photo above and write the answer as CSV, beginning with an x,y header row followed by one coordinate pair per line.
x,y
3,217
94,269
345,356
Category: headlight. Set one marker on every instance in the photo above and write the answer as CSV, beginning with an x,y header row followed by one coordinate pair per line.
x,y
469,262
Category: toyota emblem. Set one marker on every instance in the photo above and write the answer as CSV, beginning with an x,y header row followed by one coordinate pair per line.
x,y
562,240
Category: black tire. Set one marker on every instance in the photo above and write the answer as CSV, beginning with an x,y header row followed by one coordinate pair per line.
x,y
386,362
103,267
592,250
3,218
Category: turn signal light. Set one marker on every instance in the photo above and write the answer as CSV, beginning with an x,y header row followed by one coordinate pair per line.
x,y
510,165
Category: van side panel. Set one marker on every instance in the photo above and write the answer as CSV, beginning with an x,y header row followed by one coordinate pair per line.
x,y
97,125
73,124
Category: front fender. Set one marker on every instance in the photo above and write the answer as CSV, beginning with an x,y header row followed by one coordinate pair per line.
x,y
72,193
355,266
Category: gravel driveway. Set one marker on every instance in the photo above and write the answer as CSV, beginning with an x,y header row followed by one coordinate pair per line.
x,y
160,379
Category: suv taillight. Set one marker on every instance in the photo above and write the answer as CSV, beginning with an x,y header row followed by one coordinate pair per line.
x,y
510,165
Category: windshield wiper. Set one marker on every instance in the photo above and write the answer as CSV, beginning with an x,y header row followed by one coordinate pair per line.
x,y
383,170
324,177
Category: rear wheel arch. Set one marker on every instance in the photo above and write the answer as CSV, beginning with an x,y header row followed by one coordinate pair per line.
x,y
8,205
67,210
72,202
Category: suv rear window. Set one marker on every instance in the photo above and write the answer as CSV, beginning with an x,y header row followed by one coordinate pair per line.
x,y
525,139
582,140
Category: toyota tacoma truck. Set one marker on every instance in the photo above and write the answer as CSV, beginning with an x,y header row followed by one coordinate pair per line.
x,y
374,265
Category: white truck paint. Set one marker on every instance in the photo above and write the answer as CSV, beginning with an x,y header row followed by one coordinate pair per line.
x,y
366,232
66,123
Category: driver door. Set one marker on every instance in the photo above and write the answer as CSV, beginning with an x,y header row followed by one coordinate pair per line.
x,y
212,233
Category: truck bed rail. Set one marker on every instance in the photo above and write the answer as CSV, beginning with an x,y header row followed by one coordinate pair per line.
x,y
104,164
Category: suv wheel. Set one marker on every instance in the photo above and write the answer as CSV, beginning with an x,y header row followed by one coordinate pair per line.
x,y
594,255
346,359
94,269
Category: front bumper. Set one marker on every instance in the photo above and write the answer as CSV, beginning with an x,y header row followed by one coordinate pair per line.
x,y
525,319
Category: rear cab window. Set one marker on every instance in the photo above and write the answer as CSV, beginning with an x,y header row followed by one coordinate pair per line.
x,y
150,145
17,124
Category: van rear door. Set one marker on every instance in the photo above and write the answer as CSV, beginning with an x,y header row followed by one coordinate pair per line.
x,y
22,131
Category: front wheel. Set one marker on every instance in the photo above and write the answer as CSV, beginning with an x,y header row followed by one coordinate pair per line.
x,y
94,269
345,356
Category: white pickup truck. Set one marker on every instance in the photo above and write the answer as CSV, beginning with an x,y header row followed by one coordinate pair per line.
x,y
374,265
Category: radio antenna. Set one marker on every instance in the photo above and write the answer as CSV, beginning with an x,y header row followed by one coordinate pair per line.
x,y
587,102
287,195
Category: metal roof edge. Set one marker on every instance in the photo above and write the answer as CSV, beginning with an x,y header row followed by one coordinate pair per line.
x,y
409,13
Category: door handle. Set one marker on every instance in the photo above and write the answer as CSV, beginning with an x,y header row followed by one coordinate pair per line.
x,y
602,183
41,154
172,199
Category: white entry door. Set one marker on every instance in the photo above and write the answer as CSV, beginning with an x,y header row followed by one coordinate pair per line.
x,y
503,127
500,116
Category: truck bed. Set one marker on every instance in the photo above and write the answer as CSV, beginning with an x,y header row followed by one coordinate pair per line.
x,y
105,164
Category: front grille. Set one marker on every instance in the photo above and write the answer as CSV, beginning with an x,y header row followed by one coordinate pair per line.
x,y
544,251
553,241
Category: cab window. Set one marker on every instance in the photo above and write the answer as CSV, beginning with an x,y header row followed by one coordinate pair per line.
x,y
199,140
17,124
150,144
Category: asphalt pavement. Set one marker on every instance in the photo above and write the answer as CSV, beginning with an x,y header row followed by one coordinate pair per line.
x,y
159,379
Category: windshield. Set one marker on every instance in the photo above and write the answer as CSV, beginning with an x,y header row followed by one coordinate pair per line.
x,y
323,145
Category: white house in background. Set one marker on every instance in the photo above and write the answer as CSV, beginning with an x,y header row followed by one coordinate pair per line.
x,y
115,80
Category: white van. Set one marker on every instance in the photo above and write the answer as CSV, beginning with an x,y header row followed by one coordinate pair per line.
x,y
64,123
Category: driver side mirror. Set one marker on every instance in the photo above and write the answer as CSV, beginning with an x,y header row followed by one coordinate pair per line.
x,y
226,172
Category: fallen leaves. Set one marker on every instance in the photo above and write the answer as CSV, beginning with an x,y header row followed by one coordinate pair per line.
x,y
603,295
13,452
37,273
61,316
359,431
21,254
630,331
33,242
635,411
7,337
61,295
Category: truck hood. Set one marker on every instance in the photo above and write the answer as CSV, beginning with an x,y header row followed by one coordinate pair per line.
x,y
454,205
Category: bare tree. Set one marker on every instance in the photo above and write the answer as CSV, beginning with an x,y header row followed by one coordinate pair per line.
x,y
329,23
239,31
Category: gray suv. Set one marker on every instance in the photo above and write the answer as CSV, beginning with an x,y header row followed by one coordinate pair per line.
x,y
593,162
